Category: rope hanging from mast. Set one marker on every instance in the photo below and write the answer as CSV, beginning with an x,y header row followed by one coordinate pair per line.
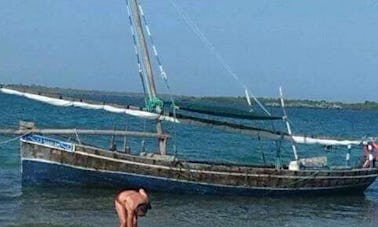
x,y
163,74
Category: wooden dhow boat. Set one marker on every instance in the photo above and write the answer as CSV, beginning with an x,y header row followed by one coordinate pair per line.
x,y
49,161
53,162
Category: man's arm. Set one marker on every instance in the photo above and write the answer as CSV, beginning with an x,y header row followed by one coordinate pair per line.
x,y
130,213
135,220
130,219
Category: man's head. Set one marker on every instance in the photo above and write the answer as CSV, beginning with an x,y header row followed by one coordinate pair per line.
x,y
142,209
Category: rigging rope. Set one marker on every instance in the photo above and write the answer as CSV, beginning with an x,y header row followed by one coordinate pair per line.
x,y
163,74
221,60
77,136
13,139
218,56
154,103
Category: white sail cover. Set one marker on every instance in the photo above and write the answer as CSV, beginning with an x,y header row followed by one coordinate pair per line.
x,y
109,108
326,142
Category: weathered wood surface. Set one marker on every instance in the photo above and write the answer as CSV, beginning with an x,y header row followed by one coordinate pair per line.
x,y
167,167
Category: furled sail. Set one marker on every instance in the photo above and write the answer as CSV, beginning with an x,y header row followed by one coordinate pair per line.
x,y
224,112
233,127
265,133
67,103
326,142
222,125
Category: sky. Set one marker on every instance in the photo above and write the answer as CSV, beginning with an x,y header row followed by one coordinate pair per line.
x,y
322,50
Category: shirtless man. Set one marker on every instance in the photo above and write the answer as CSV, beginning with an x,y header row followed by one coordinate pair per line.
x,y
129,205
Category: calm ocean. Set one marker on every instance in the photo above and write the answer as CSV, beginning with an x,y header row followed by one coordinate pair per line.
x,y
70,206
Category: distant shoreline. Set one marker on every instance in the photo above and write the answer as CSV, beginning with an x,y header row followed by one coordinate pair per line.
x,y
273,102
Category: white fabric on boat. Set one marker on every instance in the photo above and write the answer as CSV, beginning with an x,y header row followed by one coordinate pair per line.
x,y
11,92
114,109
52,101
140,113
109,108
327,142
85,105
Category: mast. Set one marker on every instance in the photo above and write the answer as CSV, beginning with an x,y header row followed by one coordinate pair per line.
x,y
143,47
136,11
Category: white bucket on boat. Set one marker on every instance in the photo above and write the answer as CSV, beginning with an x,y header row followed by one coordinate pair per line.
x,y
294,165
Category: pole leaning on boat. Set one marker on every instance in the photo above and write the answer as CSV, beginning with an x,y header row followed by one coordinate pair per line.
x,y
294,165
142,45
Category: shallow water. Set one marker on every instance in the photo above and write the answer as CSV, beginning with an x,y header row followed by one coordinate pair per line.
x,y
70,206
94,207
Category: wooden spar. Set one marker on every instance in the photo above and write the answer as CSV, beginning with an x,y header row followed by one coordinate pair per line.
x,y
162,141
83,131
147,64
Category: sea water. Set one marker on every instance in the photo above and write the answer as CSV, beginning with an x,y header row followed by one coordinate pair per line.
x,y
72,206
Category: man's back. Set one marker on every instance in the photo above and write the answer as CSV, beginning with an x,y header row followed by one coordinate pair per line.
x,y
129,204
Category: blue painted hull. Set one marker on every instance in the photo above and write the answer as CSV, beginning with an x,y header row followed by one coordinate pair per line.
x,y
47,173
